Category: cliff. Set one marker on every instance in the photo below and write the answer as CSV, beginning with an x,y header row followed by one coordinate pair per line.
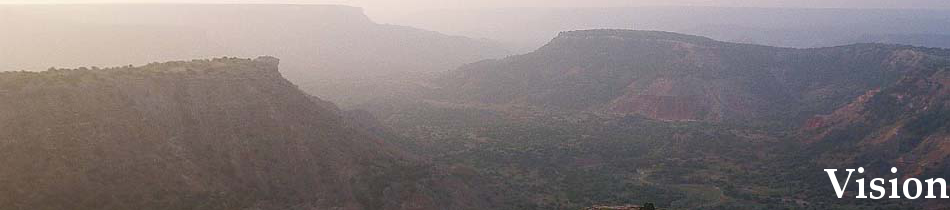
x,y
206,134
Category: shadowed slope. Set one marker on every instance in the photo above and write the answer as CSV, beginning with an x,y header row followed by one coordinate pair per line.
x,y
207,134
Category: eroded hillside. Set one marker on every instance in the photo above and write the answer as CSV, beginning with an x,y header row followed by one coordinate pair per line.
x,y
670,76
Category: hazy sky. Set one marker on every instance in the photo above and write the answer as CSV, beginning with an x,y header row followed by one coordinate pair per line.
x,y
392,8
428,4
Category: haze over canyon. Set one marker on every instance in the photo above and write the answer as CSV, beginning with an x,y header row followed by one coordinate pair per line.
x,y
466,105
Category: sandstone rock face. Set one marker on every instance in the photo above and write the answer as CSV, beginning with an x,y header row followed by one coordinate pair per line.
x,y
208,134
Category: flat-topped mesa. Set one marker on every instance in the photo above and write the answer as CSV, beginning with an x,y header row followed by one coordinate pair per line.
x,y
631,34
587,36
263,64
226,69
228,132
352,13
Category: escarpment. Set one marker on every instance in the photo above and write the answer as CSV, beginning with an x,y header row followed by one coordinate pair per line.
x,y
224,133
